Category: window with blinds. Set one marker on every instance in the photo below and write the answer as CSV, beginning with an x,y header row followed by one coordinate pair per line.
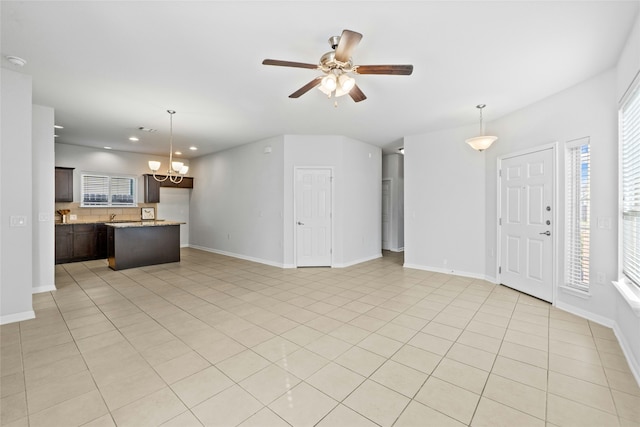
x,y
578,212
630,143
104,190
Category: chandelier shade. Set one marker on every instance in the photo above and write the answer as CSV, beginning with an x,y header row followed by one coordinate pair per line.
x,y
482,142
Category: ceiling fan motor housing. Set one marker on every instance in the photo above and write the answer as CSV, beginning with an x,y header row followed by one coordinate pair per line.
x,y
334,41
328,62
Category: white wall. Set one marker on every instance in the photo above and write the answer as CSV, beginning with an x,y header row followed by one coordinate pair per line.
x,y
16,247
444,198
359,188
237,202
243,203
393,169
43,200
589,110
357,178
626,321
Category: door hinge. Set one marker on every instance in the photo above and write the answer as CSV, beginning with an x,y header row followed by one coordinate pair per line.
x,y
499,270
500,173
499,221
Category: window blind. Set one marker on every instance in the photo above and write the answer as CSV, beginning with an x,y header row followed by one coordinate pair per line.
x,y
105,190
578,211
630,134
95,190
122,191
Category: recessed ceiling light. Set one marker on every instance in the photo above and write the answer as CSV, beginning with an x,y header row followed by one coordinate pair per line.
x,y
107,148
193,148
58,127
16,60
133,138
178,153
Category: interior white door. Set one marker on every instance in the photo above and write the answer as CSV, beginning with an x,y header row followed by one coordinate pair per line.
x,y
386,213
313,217
526,218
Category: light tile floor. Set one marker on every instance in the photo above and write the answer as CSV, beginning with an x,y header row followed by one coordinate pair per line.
x,y
219,341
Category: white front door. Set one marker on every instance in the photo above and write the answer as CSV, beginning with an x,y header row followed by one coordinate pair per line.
x,y
526,218
313,217
386,213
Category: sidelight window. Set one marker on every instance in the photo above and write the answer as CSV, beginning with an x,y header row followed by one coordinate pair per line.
x,y
578,212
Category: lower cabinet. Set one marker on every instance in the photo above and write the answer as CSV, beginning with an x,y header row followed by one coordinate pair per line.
x,y
64,243
80,242
101,241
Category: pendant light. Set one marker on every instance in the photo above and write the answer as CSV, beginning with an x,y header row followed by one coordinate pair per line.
x,y
176,170
482,142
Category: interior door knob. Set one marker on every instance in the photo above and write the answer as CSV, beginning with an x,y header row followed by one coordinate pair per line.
x,y
547,233
300,223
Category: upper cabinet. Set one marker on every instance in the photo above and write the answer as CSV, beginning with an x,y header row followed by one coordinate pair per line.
x,y
152,187
64,184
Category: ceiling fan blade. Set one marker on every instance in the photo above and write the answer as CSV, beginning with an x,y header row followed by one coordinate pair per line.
x,y
306,88
356,94
348,41
399,70
289,64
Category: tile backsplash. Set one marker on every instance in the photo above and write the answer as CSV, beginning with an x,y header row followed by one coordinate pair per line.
x,y
102,214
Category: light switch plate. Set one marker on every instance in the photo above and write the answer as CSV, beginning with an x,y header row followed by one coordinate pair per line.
x,y
18,221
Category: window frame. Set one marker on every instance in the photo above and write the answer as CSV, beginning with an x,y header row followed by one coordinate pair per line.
x,y
633,96
111,184
573,222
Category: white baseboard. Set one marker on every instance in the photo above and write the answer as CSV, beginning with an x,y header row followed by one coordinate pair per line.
x,y
397,250
604,321
17,317
634,364
276,264
41,289
240,256
446,271
357,261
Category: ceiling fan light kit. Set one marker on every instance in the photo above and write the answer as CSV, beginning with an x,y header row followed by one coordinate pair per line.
x,y
337,65
177,169
482,142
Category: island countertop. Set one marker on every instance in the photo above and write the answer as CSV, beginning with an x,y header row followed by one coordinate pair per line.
x,y
142,224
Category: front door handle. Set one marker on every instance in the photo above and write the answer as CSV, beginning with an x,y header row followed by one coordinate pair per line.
x,y
546,233
300,223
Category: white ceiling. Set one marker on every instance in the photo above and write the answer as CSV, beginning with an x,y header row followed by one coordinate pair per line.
x,y
109,67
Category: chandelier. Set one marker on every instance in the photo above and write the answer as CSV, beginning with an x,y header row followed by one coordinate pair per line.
x,y
483,141
176,170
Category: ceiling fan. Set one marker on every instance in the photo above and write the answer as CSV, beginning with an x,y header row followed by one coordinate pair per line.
x,y
337,66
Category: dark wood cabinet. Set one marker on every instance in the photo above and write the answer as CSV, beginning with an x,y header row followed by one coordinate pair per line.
x,y
151,190
101,241
131,247
64,243
152,187
64,184
84,241
80,242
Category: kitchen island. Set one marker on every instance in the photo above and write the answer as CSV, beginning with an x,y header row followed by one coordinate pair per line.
x,y
141,243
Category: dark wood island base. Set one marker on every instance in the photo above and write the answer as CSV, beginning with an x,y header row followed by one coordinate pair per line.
x,y
138,244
